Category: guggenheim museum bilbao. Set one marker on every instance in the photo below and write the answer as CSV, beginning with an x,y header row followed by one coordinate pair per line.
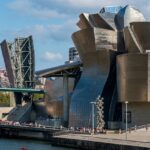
x,y
114,63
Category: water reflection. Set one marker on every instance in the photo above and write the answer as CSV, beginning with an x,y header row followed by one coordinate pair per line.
x,y
16,144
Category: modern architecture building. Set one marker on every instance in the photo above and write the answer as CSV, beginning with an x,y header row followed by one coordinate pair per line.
x,y
114,38
110,9
110,60
113,49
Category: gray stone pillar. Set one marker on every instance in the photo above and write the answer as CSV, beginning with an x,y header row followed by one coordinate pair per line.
x,y
66,101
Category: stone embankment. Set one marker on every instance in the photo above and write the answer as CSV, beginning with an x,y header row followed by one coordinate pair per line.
x,y
139,140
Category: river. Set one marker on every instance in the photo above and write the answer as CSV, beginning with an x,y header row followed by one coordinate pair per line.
x,y
15,144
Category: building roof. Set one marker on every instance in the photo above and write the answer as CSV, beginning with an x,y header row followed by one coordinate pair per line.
x,y
71,69
111,9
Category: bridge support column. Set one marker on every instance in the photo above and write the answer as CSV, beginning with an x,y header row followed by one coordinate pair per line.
x,y
18,98
65,101
12,100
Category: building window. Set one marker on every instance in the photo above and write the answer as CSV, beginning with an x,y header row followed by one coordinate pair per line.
x,y
129,119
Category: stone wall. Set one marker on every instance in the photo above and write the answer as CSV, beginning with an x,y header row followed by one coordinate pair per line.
x,y
140,114
93,145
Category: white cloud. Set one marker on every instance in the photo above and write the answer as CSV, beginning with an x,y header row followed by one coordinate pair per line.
x,y
57,8
80,3
43,33
51,56
27,7
66,8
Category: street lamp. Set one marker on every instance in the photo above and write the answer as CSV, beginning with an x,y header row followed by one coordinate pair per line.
x,y
93,115
126,104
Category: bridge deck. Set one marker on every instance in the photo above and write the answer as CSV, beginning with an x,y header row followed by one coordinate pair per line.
x,y
22,90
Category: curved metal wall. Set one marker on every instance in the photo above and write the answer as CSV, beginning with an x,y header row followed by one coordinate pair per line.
x,y
130,42
137,37
142,33
97,61
91,84
94,39
127,15
132,77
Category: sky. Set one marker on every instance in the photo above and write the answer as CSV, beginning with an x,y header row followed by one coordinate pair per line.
x,y
51,23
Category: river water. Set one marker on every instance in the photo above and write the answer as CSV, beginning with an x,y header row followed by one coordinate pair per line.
x,y
13,144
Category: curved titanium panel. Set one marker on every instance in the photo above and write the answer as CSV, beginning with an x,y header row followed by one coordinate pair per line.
x,y
127,15
85,39
84,21
96,67
96,47
109,18
130,43
142,33
132,77
95,20
105,39
92,39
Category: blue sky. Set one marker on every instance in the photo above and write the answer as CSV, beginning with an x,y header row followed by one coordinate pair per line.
x,y
51,22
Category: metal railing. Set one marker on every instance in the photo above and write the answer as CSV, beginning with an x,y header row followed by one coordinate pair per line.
x,y
146,126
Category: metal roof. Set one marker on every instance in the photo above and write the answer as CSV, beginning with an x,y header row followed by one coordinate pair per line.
x,y
111,9
22,90
71,69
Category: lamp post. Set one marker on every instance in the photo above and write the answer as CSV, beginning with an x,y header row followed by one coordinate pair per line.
x,y
126,104
93,115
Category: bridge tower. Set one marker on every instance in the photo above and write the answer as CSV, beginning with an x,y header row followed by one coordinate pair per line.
x,y
20,63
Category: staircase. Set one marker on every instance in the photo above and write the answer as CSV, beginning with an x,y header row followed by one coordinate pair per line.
x,y
20,113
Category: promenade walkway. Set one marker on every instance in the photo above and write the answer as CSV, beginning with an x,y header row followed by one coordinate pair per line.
x,y
139,138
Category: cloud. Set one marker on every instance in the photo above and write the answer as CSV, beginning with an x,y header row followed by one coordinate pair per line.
x,y
59,21
62,30
67,8
30,8
72,3
51,56
47,9
45,32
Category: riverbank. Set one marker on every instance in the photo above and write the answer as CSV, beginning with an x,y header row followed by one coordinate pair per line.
x,y
136,140
98,142
30,132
